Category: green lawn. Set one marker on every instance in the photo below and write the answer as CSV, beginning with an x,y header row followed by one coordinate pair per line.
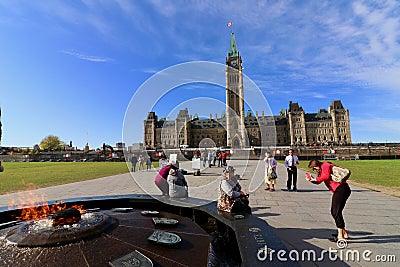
x,y
374,172
28,175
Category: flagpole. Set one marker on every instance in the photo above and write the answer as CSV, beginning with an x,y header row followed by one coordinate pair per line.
x,y
229,24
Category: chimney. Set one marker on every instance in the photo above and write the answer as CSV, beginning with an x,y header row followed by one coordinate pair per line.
x,y
210,116
216,116
256,114
262,114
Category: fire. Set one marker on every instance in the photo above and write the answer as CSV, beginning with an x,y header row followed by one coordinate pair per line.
x,y
43,211
34,206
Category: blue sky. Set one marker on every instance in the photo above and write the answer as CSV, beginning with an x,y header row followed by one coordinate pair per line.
x,y
70,68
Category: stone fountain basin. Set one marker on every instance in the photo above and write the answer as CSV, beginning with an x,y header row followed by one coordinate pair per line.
x,y
43,233
246,236
113,235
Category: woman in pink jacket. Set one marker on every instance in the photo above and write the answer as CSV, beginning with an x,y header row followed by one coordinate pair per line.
x,y
341,192
161,179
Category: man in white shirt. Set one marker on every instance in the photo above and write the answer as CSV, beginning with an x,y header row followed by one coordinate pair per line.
x,y
291,162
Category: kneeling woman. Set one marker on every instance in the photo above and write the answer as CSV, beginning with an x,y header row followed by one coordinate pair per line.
x,y
341,192
231,198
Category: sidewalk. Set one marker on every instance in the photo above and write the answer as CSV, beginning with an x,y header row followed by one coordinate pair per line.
x,y
301,219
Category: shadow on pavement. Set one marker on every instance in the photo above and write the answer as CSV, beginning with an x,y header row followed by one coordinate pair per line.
x,y
300,246
301,235
373,239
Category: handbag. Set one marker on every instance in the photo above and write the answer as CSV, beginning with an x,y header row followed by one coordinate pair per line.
x,y
225,202
271,172
340,174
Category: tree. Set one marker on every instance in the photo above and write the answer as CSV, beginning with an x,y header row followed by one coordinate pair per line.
x,y
52,142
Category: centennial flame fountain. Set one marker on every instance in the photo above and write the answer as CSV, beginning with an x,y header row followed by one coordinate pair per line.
x,y
63,227
100,231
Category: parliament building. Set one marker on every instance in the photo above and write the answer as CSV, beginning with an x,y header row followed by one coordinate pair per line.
x,y
234,128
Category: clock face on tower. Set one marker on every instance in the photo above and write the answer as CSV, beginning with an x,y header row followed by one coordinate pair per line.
x,y
233,64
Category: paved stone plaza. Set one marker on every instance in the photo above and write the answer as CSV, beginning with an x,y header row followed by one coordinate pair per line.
x,y
301,219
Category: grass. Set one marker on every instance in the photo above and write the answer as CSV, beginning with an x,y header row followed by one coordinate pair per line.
x,y
19,176
378,175
373,172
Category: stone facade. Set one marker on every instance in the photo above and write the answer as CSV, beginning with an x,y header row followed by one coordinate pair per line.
x,y
291,127
330,126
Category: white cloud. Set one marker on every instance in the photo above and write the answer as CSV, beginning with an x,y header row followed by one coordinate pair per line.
x,y
365,44
87,57
318,95
146,70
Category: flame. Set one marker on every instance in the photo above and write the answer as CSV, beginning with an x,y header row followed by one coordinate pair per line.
x,y
40,212
34,206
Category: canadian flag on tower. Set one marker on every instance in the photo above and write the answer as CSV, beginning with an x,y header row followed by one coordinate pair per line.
x,y
229,24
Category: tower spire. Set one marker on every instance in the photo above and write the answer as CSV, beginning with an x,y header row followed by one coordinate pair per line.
x,y
233,52
235,128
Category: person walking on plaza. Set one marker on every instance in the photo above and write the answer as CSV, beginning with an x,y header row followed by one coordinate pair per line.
x,y
224,155
148,162
214,156
209,158
1,167
341,192
270,171
204,158
141,162
219,158
291,162
134,161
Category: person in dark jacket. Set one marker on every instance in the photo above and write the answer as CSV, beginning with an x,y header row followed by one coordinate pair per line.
x,y
134,161
148,162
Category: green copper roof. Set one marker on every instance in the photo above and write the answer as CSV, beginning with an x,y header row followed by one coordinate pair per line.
x,y
233,52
